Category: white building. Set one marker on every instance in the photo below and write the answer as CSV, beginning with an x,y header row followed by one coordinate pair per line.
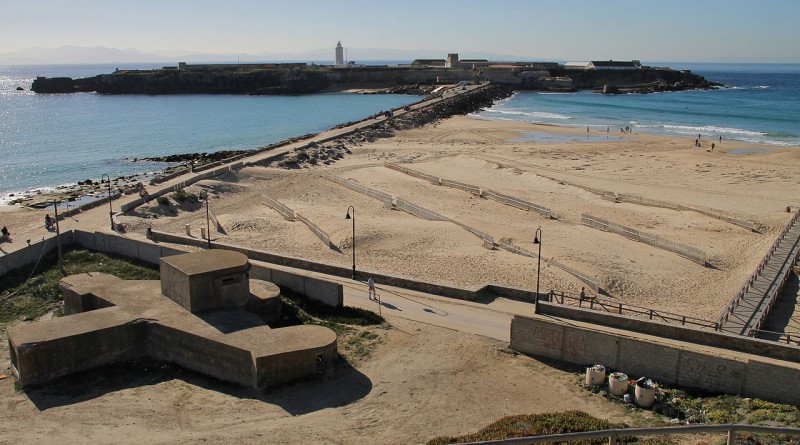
x,y
339,54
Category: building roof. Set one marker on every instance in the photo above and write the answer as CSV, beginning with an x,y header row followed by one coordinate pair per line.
x,y
617,64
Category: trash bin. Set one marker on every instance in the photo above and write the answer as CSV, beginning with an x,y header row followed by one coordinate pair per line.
x,y
595,375
617,383
645,393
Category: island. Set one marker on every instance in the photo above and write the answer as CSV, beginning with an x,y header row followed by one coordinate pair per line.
x,y
422,76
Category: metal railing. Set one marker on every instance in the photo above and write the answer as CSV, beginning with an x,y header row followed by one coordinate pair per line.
x,y
612,435
782,337
729,308
617,307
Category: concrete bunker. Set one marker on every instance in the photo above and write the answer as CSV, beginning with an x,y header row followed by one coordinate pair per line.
x,y
205,314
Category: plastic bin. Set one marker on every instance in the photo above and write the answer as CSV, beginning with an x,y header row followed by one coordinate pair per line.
x,y
645,393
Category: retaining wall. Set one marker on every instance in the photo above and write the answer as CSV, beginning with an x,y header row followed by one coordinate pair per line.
x,y
672,364
673,331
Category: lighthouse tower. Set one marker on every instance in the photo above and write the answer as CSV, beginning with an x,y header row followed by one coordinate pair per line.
x,y
339,54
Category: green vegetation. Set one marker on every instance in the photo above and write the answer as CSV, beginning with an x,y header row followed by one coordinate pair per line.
x,y
352,325
540,425
182,196
27,299
162,201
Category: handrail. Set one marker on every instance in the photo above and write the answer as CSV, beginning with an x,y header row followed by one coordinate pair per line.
x,y
787,337
613,434
737,298
617,307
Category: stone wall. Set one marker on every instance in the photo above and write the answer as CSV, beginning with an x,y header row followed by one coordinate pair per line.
x,y
707,369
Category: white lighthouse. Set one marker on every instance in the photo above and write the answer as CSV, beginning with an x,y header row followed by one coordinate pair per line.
x,y
339,54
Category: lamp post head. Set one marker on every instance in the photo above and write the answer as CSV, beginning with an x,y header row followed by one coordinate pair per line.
x,y
348,212
537,237
348,215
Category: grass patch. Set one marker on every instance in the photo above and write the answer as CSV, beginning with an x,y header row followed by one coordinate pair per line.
x,y
182,196
353,326
540,425
26,299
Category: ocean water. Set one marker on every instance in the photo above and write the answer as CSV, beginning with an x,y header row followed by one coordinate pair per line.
x,y
47,140
50,140
760,104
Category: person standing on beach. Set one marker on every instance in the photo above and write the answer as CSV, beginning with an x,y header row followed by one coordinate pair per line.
x,y
712,146
587,128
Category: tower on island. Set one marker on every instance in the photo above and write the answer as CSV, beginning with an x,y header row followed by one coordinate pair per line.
x,y
339,54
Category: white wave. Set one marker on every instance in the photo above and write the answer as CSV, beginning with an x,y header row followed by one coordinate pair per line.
x,y
686,129
535,114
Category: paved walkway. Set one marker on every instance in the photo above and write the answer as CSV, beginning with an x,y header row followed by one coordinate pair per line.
x,y
754,306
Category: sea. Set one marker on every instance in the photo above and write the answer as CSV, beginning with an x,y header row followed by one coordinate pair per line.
x,y
50,140
759,104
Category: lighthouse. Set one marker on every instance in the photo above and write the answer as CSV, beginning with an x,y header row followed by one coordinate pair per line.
x,y
339,54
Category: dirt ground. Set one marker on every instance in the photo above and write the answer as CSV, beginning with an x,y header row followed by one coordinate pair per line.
x,y
419,382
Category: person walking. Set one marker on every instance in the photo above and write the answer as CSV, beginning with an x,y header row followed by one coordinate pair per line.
x,y
371,289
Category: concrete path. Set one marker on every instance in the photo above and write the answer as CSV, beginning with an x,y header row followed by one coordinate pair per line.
x,y
753,307
488,319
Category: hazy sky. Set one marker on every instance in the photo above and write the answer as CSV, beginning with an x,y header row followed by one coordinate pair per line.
x,y
678,30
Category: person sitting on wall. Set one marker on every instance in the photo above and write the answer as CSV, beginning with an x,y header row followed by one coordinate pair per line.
x,y
48,222
6,235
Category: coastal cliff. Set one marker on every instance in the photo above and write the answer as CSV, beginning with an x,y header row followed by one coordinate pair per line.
x,y
294,79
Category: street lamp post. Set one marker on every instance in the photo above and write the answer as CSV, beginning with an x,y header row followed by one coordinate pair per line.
x,y
204,193
537,239
354,237
110,210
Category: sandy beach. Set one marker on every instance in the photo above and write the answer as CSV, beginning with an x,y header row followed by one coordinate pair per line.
x,y
564,177
417,374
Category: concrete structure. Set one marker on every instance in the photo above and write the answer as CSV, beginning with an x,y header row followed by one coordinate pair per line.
x,y
429,62
339,54
680,363
224,334
615,65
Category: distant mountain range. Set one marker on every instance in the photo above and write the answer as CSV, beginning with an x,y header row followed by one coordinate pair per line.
x,y
100,54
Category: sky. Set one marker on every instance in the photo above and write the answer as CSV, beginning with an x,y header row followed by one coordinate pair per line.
x,y
562,30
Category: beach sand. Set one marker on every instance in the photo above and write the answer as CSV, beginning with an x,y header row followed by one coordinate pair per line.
x,y
564,177
422,381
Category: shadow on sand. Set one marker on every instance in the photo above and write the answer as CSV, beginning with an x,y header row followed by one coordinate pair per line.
x,y
338,385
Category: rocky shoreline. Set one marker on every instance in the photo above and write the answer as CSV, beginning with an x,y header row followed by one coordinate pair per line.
x,y
313,154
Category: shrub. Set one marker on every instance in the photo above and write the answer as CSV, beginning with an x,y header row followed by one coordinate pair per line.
x,y
184,196
162,201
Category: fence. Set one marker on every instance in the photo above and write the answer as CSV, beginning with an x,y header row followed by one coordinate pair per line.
x,y
286,212
217,225
590,281
622,197
727,311
516,202
385,197
617,307
430,178
687,252
612,435
416,210
474,189
316,229
782,337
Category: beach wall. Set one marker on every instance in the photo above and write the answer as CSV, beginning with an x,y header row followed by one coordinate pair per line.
x,y
665,362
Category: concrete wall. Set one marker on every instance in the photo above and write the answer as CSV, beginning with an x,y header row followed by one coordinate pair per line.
x,y
40,357
673,364
32,253
201,354
674,331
